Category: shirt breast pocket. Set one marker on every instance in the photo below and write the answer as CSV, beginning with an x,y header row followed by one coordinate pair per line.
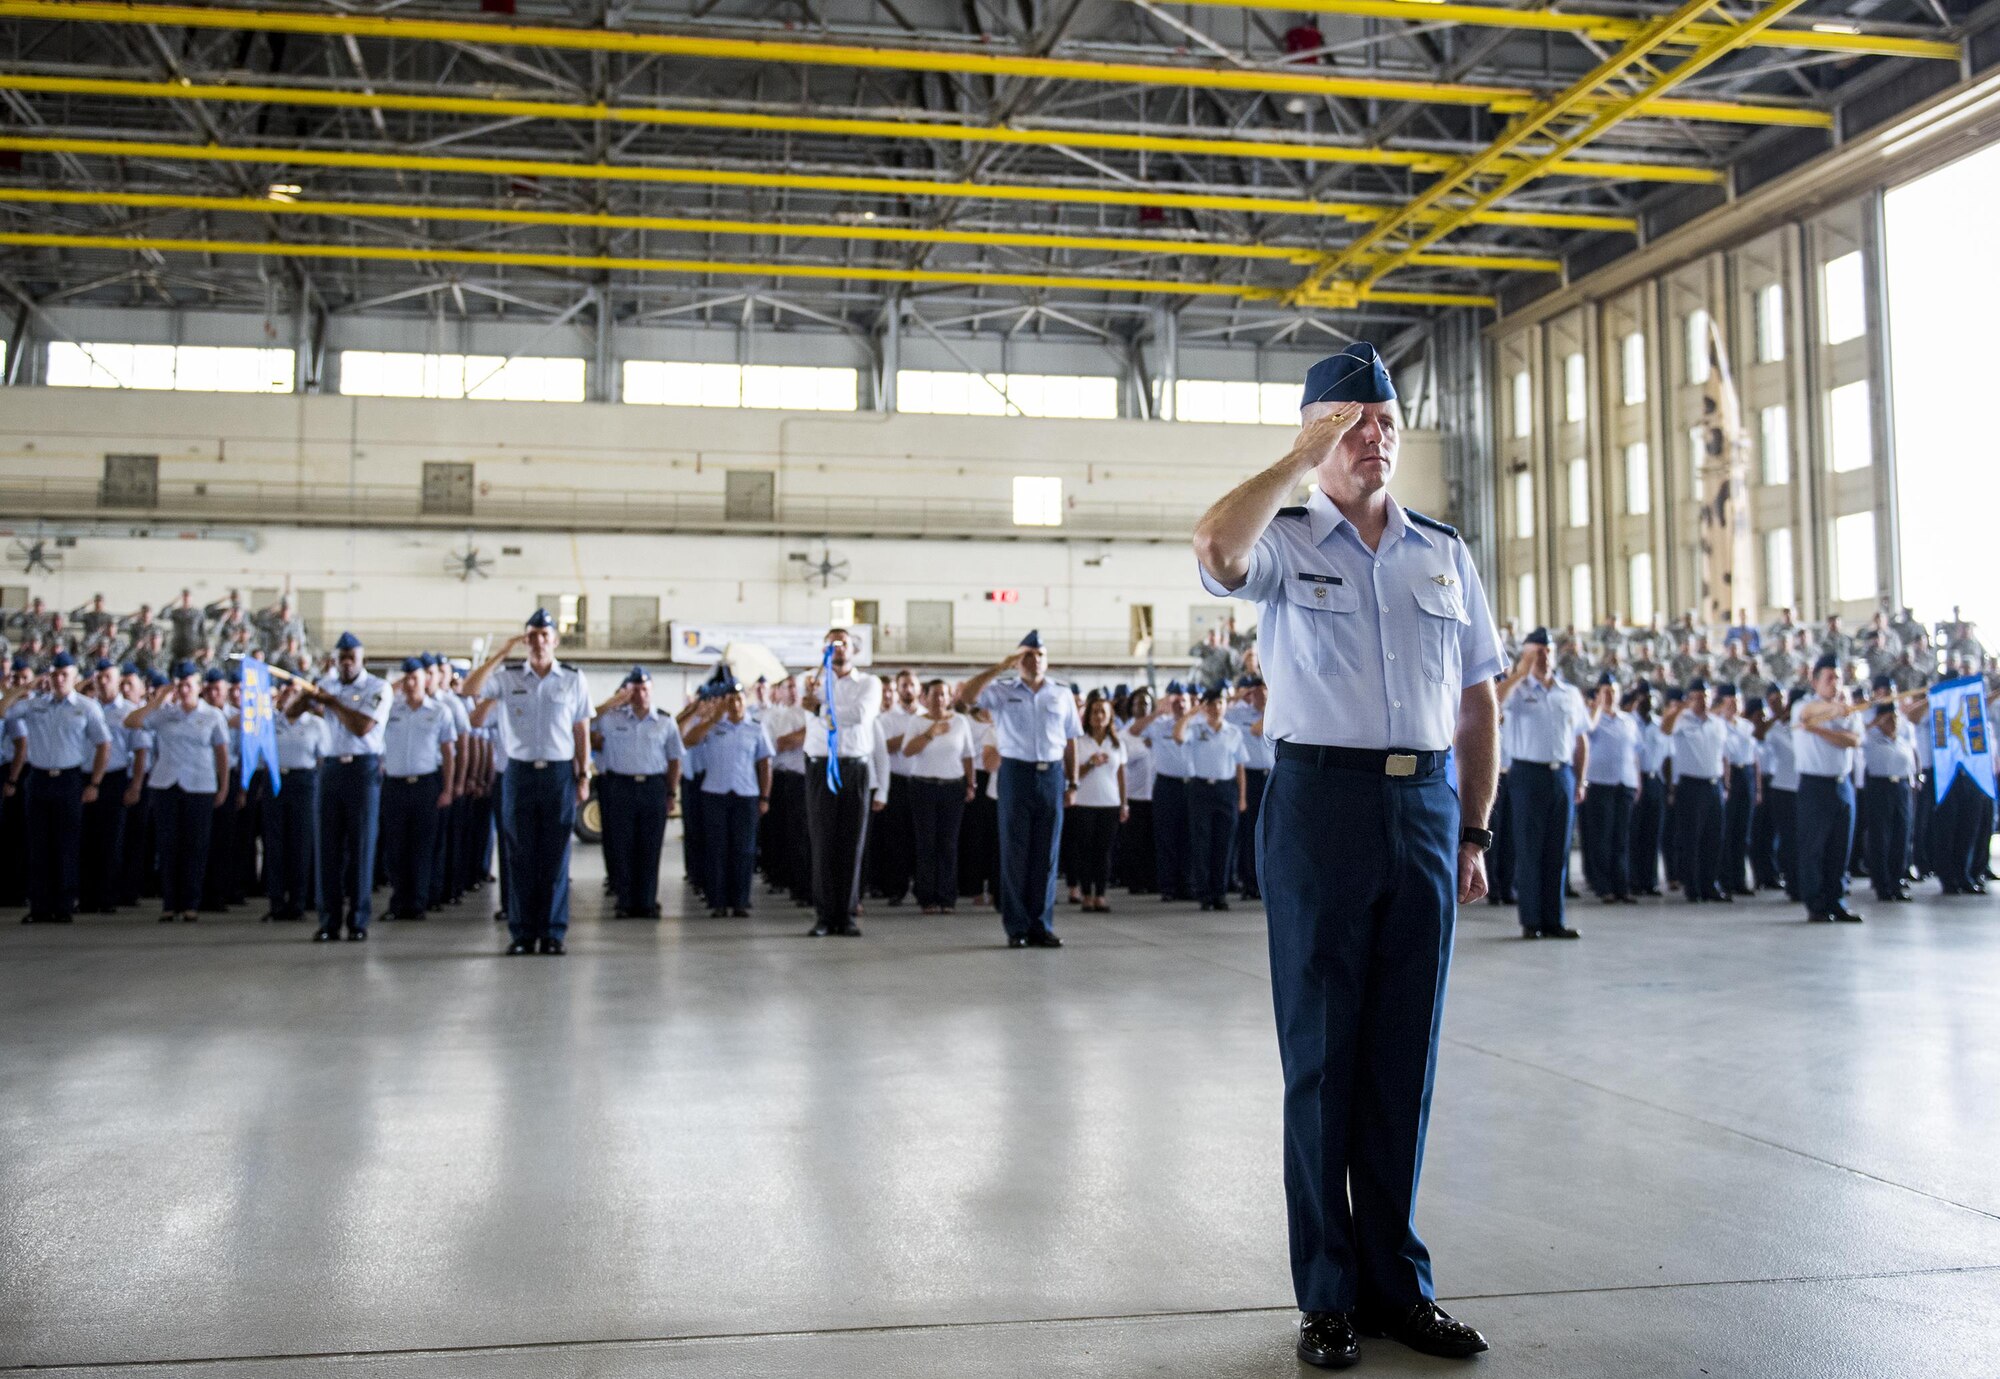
x,y
1324,616
1442,619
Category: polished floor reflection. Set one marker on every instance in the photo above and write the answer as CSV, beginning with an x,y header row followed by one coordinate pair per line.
x,y
1712,1139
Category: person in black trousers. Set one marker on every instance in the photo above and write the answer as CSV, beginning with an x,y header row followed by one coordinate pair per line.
x,y
1100,802
938,744
736,785
1214,754
1649,807
289,826
844,710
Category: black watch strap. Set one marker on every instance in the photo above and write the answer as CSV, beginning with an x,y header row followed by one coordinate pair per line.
x,y
1482,838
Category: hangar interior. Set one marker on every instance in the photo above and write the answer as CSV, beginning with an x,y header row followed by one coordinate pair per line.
x,y
948,321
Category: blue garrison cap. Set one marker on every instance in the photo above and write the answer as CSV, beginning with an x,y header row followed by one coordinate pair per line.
x,y
411,663
23,662
1033,640
1539,637
1826,663
60,660
155,679
1697,686
1674,696
1175,687
540,618
639,674
213,676
724,688
103,663
424,659
1881,683
1356,374
1119,691
233,673
1607,678
1724,688
1212,692
128,668
348,642
183,669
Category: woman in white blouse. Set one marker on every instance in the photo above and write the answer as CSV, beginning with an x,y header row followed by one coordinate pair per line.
x,y
939,745
1100,801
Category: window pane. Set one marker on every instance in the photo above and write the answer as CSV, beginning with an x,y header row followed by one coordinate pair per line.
x,y
1850,442
1638,480
1037,501
1854,557
491,377
1280,403
1846,317
1574,396
1524,504
1581,604
1774,448
1217,400
175,368
1778,567
1697,346
1639,579
1770,323
1526,604
1524,417
1579,493
1633,354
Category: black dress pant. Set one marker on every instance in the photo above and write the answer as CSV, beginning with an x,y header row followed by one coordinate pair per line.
x,y
1888,834
1607,840
634,810
937,811
838,823
979,843
893,842
1171,862
1246,831
1764,872
184,819
1826,833
409,840
730,823
1093,830
1784,807
1649,821
1698,817
1736,812
289,836
1500,856
14,847
1136,869
1211,826
55,839
103,858
790,840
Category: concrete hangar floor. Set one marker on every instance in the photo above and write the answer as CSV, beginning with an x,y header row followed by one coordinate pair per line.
x,y
1701,1141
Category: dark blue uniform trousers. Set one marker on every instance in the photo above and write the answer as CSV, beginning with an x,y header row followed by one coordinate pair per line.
x,y
55,840
1962,817
694,837
1736,829
288,841
1888,834
1784,808
1360,944
540,816
183,819
103,857
1500,857
1246,830
1697,812
1031,814
1541,798
1826,832
350,808
731,824
1607,839
1170,836
1649,821
1211,812
635,830
410,819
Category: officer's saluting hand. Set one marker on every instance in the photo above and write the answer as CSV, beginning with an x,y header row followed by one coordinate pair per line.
x,y
1379,653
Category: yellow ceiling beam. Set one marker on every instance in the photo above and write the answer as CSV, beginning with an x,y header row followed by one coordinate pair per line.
x,y
1841,37
1354,212
1290,80
496,107
598,263
288,205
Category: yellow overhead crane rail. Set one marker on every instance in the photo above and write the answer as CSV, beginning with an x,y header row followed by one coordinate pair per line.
x,y
1561,122
600,263
584,220
1355,212
504,107
1830,36
1293,80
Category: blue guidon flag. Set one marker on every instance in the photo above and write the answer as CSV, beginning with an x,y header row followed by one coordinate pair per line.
x,y
260,729
1961,738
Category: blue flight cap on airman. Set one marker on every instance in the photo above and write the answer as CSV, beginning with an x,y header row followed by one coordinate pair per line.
x,y
1033,641
424,659
1607,678
412,664
725,688
1175,687
1539,637
1826,663
1725,689
128,669
60,660
540,618
233,673
155,679
184,669
103,663
348,642
1212,693
639,676
22,661
1697,686
212,676
1356,374
1674,696
1881,683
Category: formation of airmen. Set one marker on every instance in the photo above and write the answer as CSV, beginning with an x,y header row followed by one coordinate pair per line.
x,y
1790,761
208,635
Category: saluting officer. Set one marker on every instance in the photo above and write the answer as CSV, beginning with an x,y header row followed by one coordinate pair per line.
x,y
355,705
65,748
1037,725
736,790
419,764
544,709
641,751
288,815
1889,759
1170,776
1739,753
1547,723
189,783
1611,781
1380,653
1823,742
837,812
1700,756
100,884
1248,715
1215,786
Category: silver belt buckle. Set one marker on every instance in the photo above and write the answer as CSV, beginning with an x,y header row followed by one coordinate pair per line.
x,y
411,780
1042,765
347,761
641,779
541,766
1399,764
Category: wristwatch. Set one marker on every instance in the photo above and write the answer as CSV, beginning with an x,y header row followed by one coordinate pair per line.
x,y
1481,838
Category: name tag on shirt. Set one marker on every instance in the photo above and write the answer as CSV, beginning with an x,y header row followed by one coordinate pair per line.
x,y
1320,579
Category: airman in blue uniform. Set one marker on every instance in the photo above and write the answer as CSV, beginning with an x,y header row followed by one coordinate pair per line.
x,y
419,767
289,814
355,705
64,748
642,750
736,793
1380,654
544,714
1548,752
1825,734
1215,785
189,783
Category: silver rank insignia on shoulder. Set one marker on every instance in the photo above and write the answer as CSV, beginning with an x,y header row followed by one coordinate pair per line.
x,y
1446,580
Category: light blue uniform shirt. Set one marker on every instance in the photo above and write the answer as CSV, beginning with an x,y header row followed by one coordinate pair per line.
x,y
414,739
1614,750
367,695
1777,759
538,713
731,752
1033,725
1214,753
1544,721
1365,648
124,741
1818,757
62,733
1700,747
1739,744
1169,756
1257,751
1890,756
1655,749
301,741
184,743
635,746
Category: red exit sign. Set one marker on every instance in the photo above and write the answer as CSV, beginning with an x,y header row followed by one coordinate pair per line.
x,y
1003,595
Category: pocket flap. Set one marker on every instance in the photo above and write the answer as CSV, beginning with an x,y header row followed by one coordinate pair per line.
x,y
1441,601
1325,593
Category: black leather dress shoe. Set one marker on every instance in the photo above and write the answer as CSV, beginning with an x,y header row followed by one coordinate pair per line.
x,y
553,947
518,947
821,929
1531,933
1017,943
848,930
1426,1328
357,936
1327,1339
1560,932
1042,938
1819,919
325,935
1842,915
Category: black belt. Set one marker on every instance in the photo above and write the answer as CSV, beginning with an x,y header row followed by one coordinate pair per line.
x,y
1372,760
55,773
297,770
1544,765
633,776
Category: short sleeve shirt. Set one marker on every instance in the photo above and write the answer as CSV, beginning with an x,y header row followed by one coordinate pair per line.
x,y
635,746
539,713
1033,724
368,695
731,752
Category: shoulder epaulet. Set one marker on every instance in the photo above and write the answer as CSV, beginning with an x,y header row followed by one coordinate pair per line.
x,y
1430,522
1299,511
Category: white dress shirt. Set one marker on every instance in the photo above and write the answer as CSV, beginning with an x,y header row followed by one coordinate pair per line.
x,y
856,700
944,756
1098,787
